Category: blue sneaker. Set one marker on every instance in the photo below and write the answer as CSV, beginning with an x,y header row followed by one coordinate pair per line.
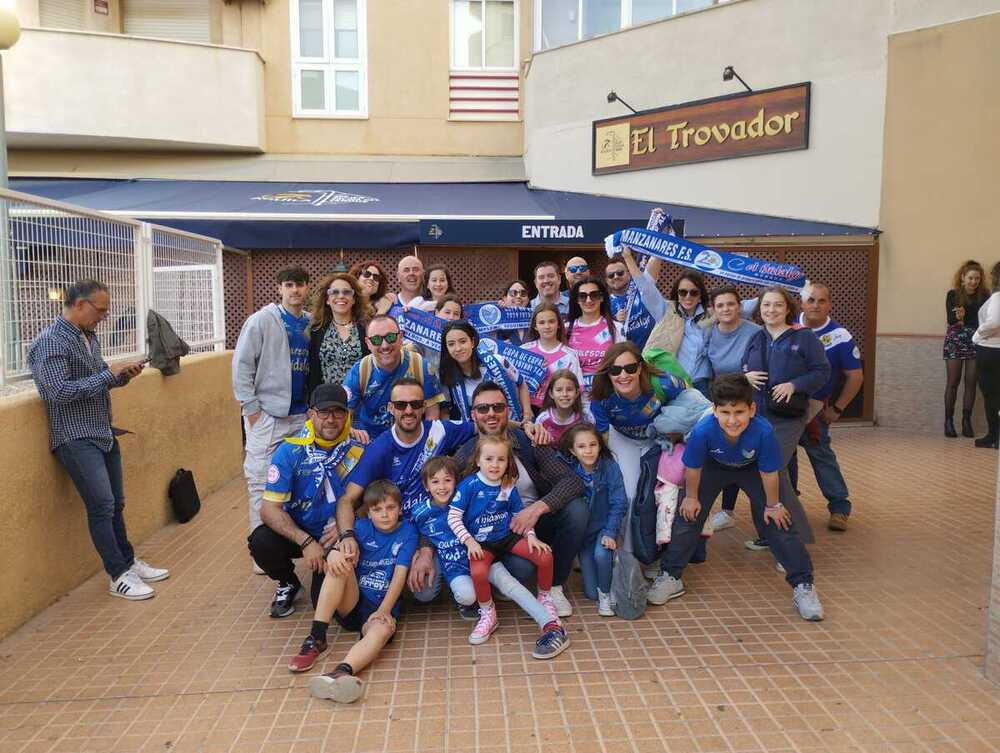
x,y
551,643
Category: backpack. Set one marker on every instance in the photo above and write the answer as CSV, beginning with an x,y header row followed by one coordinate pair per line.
x,y
415,370
183,495
642,517
666,362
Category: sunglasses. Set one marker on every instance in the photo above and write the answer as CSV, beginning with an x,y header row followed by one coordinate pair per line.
x,y
629,368
376,340
483,408
402,405
595,295
340,293
374,275
688,292
614,275
578,268
518,293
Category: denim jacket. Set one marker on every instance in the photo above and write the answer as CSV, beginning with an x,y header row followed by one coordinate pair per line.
x,y
605,496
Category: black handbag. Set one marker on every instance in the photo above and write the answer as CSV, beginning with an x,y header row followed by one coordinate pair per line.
x,y
184,495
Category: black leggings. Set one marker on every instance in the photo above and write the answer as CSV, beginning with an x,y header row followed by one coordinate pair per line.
x,y
954,371
988,365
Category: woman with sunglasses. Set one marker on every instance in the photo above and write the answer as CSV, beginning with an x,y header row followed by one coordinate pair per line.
x,y
464,365
685,321
516,296
592,329
374,284
337,333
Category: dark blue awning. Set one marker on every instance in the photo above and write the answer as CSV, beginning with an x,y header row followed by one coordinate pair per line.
x,y
247,214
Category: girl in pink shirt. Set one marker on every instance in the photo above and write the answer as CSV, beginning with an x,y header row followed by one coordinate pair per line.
x,y
592,329
563,407
547,339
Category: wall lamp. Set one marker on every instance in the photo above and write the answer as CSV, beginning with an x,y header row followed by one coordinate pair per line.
x,y
613,97
729,73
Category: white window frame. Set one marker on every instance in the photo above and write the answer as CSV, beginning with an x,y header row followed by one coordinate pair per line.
x,y
498,69
329,64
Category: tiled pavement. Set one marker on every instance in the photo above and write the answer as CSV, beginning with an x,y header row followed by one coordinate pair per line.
x,y
896,666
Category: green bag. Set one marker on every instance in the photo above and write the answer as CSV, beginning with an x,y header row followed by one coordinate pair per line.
x,y
666,362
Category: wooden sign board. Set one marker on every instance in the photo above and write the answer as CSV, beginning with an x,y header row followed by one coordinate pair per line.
x,y
737,125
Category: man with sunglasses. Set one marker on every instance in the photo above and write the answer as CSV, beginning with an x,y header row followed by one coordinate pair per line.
x,y
553,495
547,285
304,479
398,455
370,381
577,269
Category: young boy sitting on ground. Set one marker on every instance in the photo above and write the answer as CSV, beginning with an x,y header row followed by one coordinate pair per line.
x,y
735,446
362,596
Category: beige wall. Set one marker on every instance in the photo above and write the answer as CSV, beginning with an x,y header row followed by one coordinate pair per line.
x,y
185,421
27,14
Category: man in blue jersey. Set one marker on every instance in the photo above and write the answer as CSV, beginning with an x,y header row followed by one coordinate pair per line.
x,y
845,368
370,381
304,479
635,301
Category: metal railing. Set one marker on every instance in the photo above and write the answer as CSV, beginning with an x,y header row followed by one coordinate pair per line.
x,y
46,245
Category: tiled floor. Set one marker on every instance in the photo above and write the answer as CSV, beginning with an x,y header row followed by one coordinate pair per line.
x,y
896,666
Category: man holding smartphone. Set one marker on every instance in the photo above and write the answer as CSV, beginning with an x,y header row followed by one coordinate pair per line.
x,y
75,383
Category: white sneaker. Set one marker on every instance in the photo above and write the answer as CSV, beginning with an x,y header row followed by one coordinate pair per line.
x,y
149,573
665,588
257,569
604,606
723,519
129,586
563,607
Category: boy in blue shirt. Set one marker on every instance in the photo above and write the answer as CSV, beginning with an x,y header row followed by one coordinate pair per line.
x,y
362,595
735,446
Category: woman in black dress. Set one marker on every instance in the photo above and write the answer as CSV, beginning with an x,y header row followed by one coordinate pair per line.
x,y
962,303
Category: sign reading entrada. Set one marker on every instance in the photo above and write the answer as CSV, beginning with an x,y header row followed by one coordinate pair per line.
x,y
737,125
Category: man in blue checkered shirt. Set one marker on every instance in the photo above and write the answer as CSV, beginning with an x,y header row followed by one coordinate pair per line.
x,y
75,382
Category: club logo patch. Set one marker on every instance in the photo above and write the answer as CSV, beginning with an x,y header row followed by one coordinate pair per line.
x,y
273,474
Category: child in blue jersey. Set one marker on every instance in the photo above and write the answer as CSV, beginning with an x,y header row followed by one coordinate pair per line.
x,y
735,446
606,497
363,596
480,515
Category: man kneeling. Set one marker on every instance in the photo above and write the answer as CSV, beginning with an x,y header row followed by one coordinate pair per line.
x,y
736,447
363,596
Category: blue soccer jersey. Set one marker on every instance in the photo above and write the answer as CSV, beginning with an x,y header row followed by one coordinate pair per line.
x,y
370,406
631,417
841,351
297,329
757,444
486,508
380,553
431,521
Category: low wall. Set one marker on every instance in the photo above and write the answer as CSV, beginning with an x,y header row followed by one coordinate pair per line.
x,y
189,420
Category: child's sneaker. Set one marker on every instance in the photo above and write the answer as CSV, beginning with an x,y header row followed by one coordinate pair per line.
x,y
722,520
485,627
339,686
665,588
552,642
756,545
549,604
307,656
563,607
605,607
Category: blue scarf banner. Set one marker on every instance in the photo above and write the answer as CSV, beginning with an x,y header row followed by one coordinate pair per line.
x,y
687,253
422,328
530,366
489,317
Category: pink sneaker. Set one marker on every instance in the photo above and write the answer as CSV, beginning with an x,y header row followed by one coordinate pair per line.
x,y
485,627
545,599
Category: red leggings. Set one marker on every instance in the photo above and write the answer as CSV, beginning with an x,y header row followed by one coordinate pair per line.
x,y
480,569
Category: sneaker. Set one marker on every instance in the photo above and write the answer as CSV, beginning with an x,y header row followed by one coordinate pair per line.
x,y
563,607
468,612
129,586
756,545
337,686
485,627
604,606
257,569
551,643
780,569
723,519
307,656
838,522
549,604
665,588
149,573
807,602
284,596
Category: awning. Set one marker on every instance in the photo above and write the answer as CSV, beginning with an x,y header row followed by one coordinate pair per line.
x,y
251,215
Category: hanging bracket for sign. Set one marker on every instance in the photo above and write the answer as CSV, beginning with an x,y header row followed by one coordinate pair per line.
x,y
735,125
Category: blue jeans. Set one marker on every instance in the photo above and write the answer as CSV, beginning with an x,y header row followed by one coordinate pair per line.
x,y
564,531
827,470
595,566
97,476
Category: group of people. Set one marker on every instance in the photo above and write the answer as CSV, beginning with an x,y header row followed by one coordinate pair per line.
x,y
972,347
388,467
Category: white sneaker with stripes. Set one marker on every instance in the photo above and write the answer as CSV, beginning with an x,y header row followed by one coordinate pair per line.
x,y
129,586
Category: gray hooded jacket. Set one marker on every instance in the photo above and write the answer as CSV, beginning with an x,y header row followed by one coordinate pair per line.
x,y
262,364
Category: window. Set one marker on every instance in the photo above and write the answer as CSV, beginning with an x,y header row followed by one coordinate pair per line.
x,y
329,49
483,34
183,20
559,22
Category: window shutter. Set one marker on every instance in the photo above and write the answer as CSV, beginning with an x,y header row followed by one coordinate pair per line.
x,y
61,14
185,20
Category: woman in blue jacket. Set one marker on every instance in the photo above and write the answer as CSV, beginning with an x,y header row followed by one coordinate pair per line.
x,y
786,364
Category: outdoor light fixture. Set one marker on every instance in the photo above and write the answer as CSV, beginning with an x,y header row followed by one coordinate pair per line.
x,y
729,73
613,97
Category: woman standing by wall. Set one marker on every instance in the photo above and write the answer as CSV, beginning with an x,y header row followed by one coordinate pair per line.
x,y
962,304
987,342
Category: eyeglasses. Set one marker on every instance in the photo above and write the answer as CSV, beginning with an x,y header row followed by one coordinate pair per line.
x,y
376,340
593,295
402,405
332,413
688,292
483,408
340,293
614,275
629,368
514,292
97,308
578,268
368,273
